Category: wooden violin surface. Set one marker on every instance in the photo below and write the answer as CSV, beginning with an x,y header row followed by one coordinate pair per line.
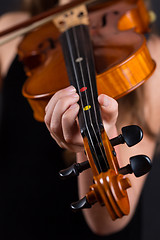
x,y
122,59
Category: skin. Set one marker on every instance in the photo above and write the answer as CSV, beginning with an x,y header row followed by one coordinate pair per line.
x,y
6,57
61,121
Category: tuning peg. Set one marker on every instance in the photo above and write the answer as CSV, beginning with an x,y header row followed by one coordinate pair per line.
x,y
131,135
139,165
74,170
81,204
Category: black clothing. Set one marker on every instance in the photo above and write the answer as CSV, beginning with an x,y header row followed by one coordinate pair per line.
x,y
34,202
150,198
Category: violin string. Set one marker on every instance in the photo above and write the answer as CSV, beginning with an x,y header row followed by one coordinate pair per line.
x,y
92,95
76,78
85,93
89,77
95,114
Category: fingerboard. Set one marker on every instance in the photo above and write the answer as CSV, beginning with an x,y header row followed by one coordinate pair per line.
x,y
78,55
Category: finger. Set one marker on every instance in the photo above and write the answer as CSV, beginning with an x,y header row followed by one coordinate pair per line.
x,y
70,137
52,103
109,107
109,112
71,131
55,124
62,93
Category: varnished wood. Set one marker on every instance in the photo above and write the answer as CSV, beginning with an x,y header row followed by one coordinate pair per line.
x,y
136,18
110,190
110,152
124,72
136,69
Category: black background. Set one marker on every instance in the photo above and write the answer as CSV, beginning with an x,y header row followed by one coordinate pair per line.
x,y
9,5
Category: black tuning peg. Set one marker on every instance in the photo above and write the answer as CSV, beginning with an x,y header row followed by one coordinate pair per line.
x,y
81,204
139,165
74,170
131,135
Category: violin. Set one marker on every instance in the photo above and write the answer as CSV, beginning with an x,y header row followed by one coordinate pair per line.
x,y
107,55
115,61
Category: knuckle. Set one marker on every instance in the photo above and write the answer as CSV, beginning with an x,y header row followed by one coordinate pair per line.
x,y
62,104
68,138
65,117
59,93
53,127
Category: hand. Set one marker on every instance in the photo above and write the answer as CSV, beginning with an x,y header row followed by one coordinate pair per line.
x,y
61,118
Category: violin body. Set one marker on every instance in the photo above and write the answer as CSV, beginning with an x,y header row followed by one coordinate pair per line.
x,y
120,53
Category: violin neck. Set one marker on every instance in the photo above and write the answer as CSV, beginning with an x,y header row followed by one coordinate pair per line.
x,y
78,55
80,67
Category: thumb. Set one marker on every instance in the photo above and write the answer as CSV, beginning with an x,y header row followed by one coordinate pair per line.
x,y
109,111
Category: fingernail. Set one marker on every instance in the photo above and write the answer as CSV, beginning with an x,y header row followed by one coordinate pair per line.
x,y
70,89
75,95
104,100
